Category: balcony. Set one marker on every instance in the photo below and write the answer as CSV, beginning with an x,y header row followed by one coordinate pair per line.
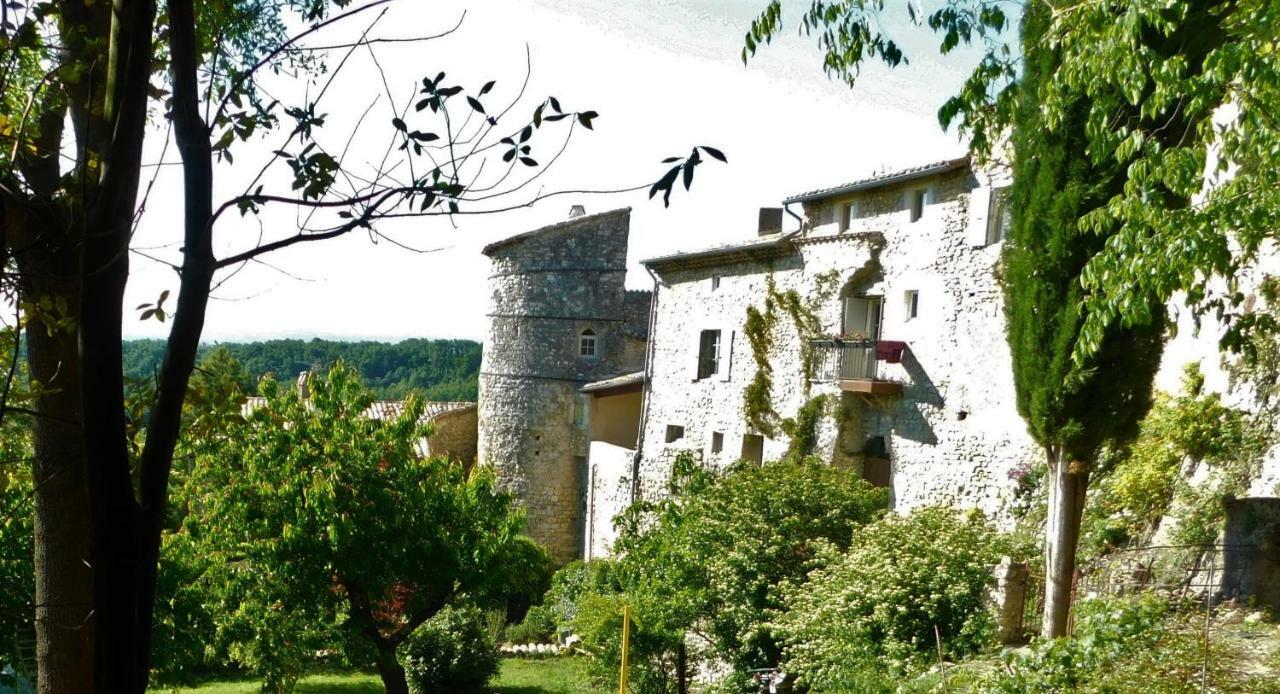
x,y
855,365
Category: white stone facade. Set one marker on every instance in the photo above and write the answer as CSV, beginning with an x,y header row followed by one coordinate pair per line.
x,y
953,436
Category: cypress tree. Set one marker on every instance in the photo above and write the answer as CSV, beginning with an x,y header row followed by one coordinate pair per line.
x,y
1071,409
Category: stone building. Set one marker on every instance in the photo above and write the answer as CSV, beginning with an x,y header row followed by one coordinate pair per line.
x,y
876,342
887,323
559,318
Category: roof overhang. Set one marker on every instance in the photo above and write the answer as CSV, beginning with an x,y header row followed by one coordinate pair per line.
x,y
626,383
881,181
773,246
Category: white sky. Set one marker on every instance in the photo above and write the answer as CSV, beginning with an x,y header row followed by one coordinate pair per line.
x,y
663,75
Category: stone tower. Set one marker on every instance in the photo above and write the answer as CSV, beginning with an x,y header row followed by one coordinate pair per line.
x,y
559,317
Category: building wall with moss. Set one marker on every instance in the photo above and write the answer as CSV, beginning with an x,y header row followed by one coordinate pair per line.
x,y
952,437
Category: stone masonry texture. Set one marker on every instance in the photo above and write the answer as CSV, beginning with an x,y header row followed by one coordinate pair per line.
x,y
546,288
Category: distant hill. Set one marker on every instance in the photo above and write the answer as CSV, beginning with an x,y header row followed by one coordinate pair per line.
x,y
434,369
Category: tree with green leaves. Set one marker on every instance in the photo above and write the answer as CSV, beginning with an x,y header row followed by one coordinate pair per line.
x,y
709,557
71,198
1072,409
315,519
1168,174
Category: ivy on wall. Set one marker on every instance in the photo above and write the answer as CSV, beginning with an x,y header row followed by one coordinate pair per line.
x,y
760,329
1142,483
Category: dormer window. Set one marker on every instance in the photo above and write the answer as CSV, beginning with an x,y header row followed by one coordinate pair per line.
x,y
588,344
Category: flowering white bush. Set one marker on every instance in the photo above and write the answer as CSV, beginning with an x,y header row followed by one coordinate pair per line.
x,y
874,607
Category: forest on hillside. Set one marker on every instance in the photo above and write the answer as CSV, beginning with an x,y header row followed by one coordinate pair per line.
x,y
433,369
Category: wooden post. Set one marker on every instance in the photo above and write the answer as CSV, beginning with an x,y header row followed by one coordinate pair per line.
x,y
626,642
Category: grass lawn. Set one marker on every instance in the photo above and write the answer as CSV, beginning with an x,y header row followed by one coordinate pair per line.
x,y
518,676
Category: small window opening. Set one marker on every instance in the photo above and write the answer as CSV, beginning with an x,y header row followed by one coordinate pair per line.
x,y
587,343
675,432
848,213
917,203
580,412
1000,216
715,282
708,353
912,303
717,441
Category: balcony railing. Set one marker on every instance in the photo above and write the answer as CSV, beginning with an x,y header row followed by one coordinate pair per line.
x,y
852,363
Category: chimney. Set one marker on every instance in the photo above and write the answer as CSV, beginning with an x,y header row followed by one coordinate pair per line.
x,y
304,391
770,221
577,211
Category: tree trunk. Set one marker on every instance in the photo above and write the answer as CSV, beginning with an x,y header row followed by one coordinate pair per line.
x,y
1068,482
64,579
123,578
390,670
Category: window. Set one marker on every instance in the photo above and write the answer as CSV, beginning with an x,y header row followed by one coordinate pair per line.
x,y
587,343
717,441
861,317
917,203
580,412
675,432
708,354
911,301
753,448
849,212
1000,216
715,282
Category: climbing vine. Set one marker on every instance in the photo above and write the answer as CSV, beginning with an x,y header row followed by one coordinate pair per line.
x,y
1148,480
760,330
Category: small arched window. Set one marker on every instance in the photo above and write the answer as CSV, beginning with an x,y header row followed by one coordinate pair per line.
x,y
587,343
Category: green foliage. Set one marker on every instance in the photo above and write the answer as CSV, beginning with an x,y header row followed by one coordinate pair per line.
x,y
1067,405
287,510
445,370
17,516
651,648
570,583
17,570
708,558
451,652
874,607
803,430
760,329
1142,482
1107,630
539,626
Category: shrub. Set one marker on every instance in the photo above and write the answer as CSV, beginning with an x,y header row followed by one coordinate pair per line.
x,y
571,582
875,607
1106,631
538,627
451,652
651,648
708,557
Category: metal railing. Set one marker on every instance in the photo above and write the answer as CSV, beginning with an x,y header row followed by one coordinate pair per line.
x,y
843,360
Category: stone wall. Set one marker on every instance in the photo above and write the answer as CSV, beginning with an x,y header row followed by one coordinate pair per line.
x,y
609,493
953,437
454,436
546,288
